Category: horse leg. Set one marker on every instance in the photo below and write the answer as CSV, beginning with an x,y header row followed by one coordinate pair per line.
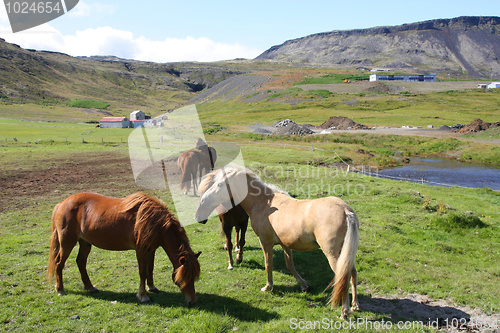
x,y
142,260
236,239
241,243
65,250
291,267
268,259
151,266
354,282
81,261
229,245
195,182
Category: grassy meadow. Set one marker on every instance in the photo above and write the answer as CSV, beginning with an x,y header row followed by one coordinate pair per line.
x,y
404,248
441,243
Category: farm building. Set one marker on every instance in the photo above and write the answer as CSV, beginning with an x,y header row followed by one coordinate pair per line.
x,y
411,77
136,123
114,122
137,115
494,85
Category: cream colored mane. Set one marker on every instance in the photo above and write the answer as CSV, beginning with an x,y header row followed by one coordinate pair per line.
x,y
213,176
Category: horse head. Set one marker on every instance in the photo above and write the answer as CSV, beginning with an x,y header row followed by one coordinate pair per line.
x,y
186,272
227,186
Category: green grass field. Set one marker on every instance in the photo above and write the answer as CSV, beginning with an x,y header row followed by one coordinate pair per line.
x,y
403,249
441,243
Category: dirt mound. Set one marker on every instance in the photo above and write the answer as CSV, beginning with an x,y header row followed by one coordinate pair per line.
x,y
293,129
477,125
342,123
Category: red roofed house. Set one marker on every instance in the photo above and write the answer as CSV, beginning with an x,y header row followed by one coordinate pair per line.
x,y
114,122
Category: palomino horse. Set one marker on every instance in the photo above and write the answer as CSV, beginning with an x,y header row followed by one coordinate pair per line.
x,y
303,225
235,218
137,222
195,161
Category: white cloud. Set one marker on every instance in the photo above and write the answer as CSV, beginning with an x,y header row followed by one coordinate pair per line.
x,y
123,44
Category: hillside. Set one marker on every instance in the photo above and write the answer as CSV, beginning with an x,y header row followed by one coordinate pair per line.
x,y
459,46
50,77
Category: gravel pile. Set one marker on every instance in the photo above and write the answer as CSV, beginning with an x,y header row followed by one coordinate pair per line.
x,y
294,129
283,123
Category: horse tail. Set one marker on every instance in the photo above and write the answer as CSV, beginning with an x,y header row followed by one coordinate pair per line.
x,y
54,246
345,262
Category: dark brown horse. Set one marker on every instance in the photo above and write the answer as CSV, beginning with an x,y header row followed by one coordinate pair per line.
x,y
137,222
234,218
208,156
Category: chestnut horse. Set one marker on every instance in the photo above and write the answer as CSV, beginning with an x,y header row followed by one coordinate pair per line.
x,y
235,218
137,222
303,225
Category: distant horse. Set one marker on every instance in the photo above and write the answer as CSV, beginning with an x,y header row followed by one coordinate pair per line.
x,y
189,162
234,218
208,156
303,225
137,222
195,161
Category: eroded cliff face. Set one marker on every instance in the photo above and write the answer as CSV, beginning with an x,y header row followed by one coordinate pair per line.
x,y
469,45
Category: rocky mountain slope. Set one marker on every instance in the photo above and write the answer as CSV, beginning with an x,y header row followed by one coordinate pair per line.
x,y
459,46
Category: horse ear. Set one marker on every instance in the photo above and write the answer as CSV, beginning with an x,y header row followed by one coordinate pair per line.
x,y
182,260
198,254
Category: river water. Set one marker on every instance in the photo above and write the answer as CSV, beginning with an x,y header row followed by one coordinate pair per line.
x,y
443,172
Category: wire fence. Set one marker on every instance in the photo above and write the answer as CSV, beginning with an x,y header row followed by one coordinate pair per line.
x,y
360,169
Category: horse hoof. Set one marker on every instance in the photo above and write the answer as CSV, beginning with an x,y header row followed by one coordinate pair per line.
x,y
93,290
61,293
143,299
154,290
305,289
230,267
355,307
267,288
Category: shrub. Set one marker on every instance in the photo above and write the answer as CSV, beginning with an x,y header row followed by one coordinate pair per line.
x,y
459,221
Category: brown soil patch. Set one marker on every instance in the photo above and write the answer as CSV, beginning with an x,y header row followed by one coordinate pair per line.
x,y
477,125
106,173
341,123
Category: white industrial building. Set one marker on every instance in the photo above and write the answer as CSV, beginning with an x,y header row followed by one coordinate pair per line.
x,y
411,77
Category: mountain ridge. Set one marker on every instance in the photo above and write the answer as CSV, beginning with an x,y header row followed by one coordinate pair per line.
x,y
467,45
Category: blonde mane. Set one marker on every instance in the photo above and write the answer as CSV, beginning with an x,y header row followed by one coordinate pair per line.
x,y
213,176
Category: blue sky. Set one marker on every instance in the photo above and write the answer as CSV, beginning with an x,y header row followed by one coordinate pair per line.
x,y
165,31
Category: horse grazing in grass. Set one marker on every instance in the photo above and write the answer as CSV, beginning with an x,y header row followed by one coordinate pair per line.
x,y
235,218
137,222
193,162
303,225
